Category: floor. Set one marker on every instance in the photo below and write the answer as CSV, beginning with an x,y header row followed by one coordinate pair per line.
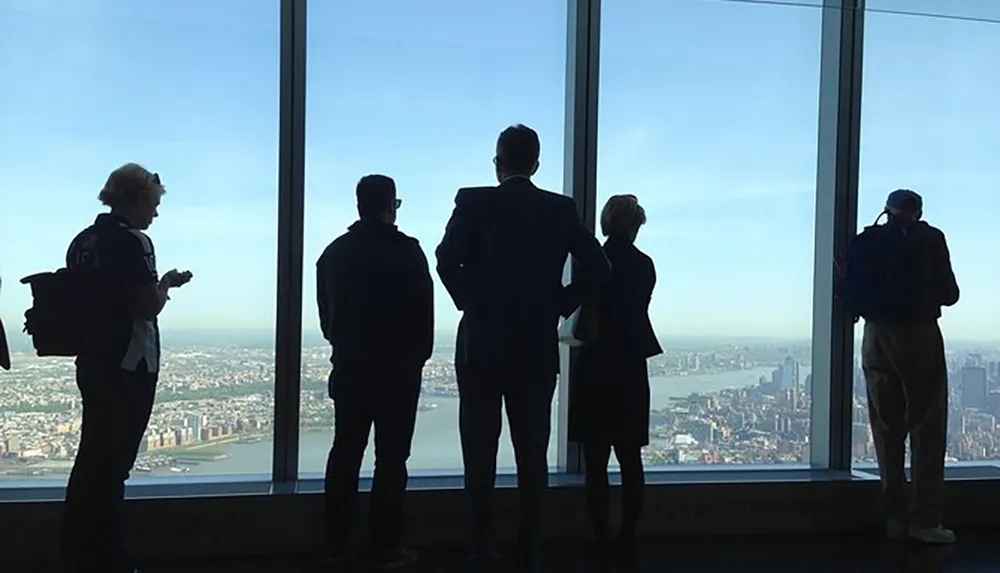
x,y
976,552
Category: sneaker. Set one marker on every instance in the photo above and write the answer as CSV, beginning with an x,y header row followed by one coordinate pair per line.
x,y
393,559
932,535
895,530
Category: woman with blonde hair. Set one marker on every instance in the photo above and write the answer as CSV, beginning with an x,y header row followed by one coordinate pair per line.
x,y
609,404
117,371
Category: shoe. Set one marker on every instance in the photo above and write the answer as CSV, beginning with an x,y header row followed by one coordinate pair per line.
x,y
394,559
931,535
895,530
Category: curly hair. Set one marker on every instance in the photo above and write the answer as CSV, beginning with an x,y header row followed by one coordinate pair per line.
x,y
622,215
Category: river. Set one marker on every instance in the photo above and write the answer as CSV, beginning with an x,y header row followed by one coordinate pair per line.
x,y
436,443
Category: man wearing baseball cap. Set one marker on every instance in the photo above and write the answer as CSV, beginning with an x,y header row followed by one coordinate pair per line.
x,y
907,378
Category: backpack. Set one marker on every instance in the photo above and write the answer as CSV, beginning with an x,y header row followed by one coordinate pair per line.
x,y
66,314
882,276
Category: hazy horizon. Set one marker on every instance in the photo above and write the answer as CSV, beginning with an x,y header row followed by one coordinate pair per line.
x,y
445,339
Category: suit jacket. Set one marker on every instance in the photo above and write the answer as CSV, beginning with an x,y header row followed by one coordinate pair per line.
x,y
502,260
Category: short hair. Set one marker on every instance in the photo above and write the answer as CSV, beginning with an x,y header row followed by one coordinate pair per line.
x,y
130,184
518,148
622,215
376,195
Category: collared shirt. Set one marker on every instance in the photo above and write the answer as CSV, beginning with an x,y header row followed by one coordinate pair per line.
x,y
509,177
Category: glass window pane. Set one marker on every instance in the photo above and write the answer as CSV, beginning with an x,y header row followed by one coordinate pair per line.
x,y
708,114
419,91
929,123
189,89
952,9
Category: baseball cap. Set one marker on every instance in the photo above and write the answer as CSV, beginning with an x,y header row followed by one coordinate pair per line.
x,y
904,201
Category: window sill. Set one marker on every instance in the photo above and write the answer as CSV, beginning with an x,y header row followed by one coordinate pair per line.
x,y
261,485
312,483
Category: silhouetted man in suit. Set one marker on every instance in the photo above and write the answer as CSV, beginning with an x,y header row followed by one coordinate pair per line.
x,y
376,307
502,261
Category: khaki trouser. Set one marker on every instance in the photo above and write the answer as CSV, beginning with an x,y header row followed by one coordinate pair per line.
x,y
907,380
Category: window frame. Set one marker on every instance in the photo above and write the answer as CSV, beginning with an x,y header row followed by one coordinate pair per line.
x,y
839,112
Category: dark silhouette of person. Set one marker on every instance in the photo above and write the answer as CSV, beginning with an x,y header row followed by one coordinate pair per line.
x,y
4,348
502,260
117,378
376,308
609,397
907,379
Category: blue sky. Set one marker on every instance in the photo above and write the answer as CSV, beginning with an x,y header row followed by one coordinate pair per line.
x,y
708,112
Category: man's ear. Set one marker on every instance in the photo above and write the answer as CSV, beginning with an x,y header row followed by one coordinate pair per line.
x,y
534,169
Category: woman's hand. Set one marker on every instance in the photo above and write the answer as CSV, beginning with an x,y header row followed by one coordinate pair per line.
x,y
174,278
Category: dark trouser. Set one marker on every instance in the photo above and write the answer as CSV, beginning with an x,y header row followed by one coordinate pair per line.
x,y
595,458
528,401
116,409
907,380
389,401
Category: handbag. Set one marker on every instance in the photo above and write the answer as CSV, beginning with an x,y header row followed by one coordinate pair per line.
x,y
580,328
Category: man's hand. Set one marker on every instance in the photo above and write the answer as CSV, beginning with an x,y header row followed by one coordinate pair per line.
x,y
174,278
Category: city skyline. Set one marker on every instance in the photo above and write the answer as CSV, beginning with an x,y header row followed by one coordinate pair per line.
x,y
723,404
729,404
708,112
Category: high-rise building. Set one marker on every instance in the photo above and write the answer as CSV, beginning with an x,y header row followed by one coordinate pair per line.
x,y
790,374
974,388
